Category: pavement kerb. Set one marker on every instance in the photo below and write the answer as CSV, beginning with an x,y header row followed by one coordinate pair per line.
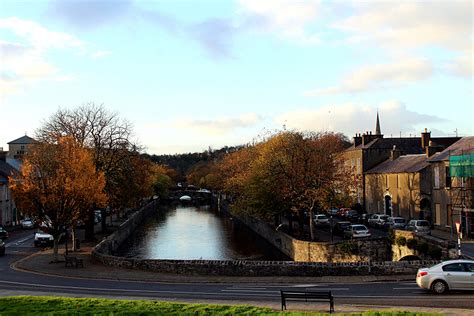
x,y
39,263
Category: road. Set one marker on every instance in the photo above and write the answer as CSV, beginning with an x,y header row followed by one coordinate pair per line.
x,y
14,282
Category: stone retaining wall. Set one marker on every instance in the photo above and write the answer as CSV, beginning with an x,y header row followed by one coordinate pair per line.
x,y
104,253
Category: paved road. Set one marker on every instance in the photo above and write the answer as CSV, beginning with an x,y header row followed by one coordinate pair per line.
x,y
381,293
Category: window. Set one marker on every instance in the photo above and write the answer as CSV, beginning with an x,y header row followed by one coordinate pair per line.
x,y
436,177
454,267
448,178
469,267
437,214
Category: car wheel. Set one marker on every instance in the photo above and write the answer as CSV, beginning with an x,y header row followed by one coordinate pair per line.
x,y
439,287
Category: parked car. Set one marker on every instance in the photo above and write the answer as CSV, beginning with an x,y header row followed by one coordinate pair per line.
x,y
3,234
43,239
363,218
351,215
448,275
419,226
356,231
333,212
321,220
27,223
396,223
340,227
2,248
377,220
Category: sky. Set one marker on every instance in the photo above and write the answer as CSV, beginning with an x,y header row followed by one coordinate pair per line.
x,y
189,75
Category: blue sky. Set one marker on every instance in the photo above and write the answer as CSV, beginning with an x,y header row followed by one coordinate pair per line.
x,y
194,74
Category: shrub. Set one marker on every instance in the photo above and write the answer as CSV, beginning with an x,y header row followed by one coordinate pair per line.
x,y
412,243
422,248
401,241
348,247
391,236
435,252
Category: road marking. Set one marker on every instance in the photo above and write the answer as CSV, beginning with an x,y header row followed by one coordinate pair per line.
x,y
247,288
124,290
249,291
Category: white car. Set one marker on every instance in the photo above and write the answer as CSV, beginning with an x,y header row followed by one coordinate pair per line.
x,y
27,223
43,239
357,231
419,226
321,220
448,275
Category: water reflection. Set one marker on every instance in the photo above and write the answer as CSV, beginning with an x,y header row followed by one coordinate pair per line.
x,y
196,233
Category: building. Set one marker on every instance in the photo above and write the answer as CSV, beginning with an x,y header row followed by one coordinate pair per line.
x,y
400,186
10,162
453,187
8,212
370,149
19,147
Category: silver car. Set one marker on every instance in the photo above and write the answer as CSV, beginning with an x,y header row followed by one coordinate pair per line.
x,y
448,275
357,231
419,226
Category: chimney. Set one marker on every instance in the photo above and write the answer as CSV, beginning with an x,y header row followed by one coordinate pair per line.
x,y
395,153
425,139
357,140
432,149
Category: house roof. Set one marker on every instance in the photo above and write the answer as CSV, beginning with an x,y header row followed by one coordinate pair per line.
x,y
408,145
5,169
403,164
23,140
462,144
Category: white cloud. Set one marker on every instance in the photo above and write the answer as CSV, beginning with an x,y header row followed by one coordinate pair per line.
x,y
411,24
101,53
24,58
350,118
379,76
463,65
219,126
286,17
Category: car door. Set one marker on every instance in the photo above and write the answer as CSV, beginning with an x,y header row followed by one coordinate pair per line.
x,y
469,266
457,276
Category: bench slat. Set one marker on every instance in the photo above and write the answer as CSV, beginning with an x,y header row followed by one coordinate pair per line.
x,y
307,295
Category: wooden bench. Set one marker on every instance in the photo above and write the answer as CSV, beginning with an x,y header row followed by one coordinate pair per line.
x,y
307,296
73,261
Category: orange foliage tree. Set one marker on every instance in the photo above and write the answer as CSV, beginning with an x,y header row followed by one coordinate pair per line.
x,y
58,183
290,172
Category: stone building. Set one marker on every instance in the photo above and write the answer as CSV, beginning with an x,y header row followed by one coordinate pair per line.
x,y
370,149
453,187
400,186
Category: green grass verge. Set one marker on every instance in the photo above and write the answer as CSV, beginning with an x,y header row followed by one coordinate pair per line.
x,y
43,305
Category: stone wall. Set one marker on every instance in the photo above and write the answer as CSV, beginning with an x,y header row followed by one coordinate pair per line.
x,y
307,251
104,253
400,251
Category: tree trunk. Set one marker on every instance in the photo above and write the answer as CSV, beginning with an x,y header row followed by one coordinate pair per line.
x,y
73,236
311,225
56,248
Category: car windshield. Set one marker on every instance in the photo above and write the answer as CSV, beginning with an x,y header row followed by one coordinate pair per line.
x,y
358,227
423,223
384,217
399,220
321,216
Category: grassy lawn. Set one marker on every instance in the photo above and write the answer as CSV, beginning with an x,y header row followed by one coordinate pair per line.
x,y
36,305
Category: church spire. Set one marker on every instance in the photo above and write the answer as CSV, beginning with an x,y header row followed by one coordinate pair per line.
x,y
377,125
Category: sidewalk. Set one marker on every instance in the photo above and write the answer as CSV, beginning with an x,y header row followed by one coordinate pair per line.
x,y
467,245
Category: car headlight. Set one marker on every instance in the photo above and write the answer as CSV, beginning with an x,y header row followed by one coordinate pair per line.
x,y
51,238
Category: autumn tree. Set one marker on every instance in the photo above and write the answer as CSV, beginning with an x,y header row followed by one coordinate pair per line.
x,y
110,139
58,183
289,172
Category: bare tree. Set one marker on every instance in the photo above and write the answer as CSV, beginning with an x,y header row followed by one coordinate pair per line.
x,y
108,136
